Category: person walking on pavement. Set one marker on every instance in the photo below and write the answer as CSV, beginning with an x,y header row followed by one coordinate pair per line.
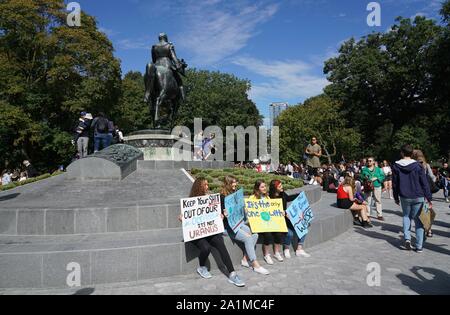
x,y
372,176
411,190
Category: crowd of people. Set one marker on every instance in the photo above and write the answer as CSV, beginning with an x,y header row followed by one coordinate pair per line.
x,y
280,242
100,129
358,185
19,175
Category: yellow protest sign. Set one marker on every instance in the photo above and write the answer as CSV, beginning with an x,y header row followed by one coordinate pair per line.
x,y
265,215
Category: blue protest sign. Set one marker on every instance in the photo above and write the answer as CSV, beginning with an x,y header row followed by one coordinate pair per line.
x,y
234,204
300,214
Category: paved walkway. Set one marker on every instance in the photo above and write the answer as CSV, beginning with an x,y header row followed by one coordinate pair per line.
x,y
336,267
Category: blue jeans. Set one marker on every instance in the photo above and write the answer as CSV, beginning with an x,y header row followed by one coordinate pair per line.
x,y
290,237
411,211
446,185
245,236
101,140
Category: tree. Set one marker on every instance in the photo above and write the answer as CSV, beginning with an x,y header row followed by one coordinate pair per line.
x,y
318,117
220,99
132,114
389,81
50,72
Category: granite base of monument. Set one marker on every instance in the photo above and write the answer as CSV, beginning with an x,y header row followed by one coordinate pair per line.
x,y
114,163
160,145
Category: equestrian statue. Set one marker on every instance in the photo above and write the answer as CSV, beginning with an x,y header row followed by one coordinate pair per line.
x,y
164,91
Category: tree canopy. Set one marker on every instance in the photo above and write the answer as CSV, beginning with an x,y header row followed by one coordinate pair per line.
x,y
50,72
394,86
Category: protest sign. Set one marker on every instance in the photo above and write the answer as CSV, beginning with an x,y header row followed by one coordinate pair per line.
x,y
234,204
300,214
265,215
201,217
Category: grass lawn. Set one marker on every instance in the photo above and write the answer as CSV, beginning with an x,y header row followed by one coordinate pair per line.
x,y
246,179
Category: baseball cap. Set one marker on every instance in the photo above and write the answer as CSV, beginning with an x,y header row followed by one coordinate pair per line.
x,y
83,113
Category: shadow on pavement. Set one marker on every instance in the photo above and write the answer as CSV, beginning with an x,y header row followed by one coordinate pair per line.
x,y
398,243
438,284
85,291
9,197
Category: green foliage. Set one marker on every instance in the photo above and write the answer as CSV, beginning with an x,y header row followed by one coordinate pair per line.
x,y
389,84
320,117
220,99
50,72
246,179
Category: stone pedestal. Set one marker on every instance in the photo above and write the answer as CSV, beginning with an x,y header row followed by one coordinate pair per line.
x,y
158,145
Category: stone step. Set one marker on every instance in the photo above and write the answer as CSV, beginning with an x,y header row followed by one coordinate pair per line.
x,y
42,261
187,165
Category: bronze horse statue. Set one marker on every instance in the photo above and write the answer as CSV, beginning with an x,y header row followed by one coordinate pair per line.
x,y
164,90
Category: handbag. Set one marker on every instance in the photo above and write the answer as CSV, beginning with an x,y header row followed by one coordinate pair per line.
x,y
433,187
368,186
427,217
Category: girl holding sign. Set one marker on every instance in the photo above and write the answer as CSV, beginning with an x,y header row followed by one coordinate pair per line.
x,y
200,188
269,238
276,191
244,234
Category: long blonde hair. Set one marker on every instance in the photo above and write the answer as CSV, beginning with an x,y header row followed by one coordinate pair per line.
x,y
420,157
226,186
349,181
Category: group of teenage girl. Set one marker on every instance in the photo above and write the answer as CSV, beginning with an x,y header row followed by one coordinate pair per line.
x,y
244,235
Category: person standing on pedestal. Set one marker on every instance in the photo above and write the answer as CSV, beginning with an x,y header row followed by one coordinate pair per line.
x,y
100,125
313,152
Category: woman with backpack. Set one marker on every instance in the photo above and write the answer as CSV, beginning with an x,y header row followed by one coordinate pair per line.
x,y
434,188
101,127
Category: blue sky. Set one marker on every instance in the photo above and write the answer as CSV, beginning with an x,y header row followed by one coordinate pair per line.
x,y
279,45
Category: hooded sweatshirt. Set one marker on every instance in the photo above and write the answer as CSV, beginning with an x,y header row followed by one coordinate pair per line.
x,y
409,180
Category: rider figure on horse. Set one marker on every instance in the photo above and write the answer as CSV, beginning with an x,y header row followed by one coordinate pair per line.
x,y
163,54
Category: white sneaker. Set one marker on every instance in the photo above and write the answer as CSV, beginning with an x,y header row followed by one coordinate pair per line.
x,y
245,264
261,270
287,253
278,257
311,181
302,253
268,260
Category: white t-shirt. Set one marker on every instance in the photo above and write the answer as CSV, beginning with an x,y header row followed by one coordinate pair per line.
x,y
387,170
6,179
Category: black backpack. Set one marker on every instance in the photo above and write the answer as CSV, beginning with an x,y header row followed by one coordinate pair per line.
x,y
433,187
102,125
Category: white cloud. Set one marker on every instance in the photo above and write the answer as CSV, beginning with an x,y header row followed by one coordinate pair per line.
x,y
109,32
131,44
215,29
289,79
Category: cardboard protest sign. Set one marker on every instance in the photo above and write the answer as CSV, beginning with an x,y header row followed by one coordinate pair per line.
x,y
201,217
265,215
300,214
234,204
